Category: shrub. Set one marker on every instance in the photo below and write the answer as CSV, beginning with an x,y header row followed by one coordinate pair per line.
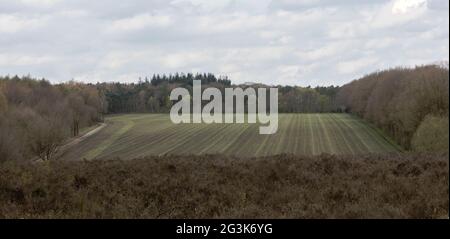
x,y
216,186
432,135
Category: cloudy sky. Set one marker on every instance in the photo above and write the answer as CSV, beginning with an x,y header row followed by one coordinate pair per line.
x,y
301,42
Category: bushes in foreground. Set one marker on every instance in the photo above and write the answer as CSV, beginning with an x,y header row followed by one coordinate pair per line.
x,y
212,186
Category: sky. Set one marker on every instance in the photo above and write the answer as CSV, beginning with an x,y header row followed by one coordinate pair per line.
x,y
286,42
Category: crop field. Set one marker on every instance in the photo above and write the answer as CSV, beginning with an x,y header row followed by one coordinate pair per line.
x,y
138,135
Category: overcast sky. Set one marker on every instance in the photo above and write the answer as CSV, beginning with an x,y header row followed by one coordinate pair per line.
x,y
297,42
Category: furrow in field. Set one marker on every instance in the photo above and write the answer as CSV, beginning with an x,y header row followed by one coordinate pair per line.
x,y
135,133
289,140
251,146
195,139
145,144
337,137
261,147
356,139
339,126
242,145
304,135
170,143
77,151
214,140
278,140
142,131
130,136
297,134
319,134
281,146
108,142
353,137
360,134
372,142
384,144
312,140
230,138
368,139
326,131
142,143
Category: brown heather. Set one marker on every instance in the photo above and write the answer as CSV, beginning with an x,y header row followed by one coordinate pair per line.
x,y
214,186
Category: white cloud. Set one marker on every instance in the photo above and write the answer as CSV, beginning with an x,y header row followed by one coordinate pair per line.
x,y
182,59
38,3
229,23
404,6
329,50
115,60
139,22
398,12
352,66
14,23
288,71
204,5
379,43
23,60
312,42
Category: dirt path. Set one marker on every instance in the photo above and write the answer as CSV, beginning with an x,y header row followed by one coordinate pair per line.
x,y
62,149
100,147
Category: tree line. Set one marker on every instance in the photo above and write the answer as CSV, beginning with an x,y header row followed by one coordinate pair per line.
x,y
410,105
152,96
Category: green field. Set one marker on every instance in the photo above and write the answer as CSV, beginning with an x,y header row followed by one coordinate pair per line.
x,y
138,135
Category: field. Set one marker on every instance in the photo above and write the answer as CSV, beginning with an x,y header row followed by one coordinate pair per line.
x,y
140,135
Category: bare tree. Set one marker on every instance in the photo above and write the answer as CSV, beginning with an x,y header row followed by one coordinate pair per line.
x,y
45,135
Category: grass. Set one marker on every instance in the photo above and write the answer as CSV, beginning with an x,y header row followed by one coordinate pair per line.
x,y
217,186
138,135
